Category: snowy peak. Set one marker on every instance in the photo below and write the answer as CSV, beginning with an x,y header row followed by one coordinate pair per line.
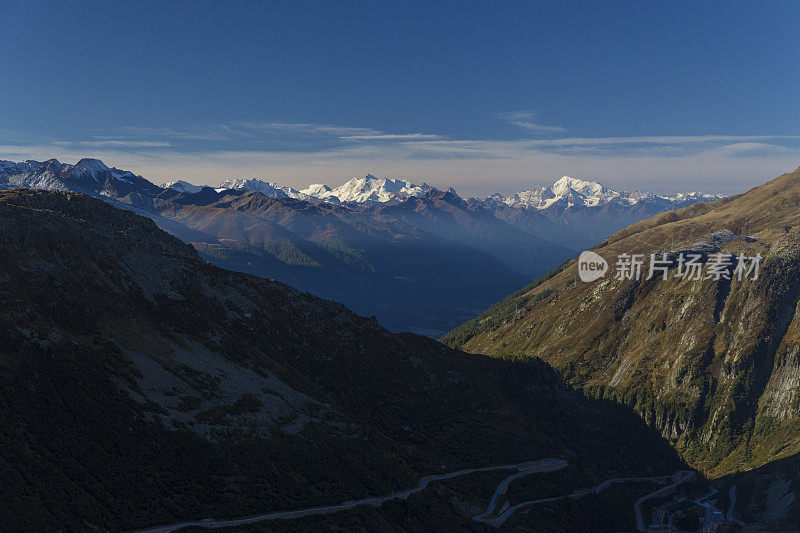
x,y
570,192
87,170
317,189
182,186
10,168
89,176
267,188
566,185
93,176
369,189
372,189
91,166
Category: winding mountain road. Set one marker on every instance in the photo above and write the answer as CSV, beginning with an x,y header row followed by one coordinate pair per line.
x,y
528,467
506,514
549,465
524,469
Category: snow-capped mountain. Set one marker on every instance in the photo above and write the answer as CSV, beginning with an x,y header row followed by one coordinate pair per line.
x,y
368,189
572,212
182,186
11,168
569,192
580,213
566,193
321,192
380,190
88,175
267,188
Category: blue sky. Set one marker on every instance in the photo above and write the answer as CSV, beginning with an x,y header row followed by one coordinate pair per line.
x,y
484,96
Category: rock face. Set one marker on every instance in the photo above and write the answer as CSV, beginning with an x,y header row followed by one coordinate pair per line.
x,y
141,385
712,364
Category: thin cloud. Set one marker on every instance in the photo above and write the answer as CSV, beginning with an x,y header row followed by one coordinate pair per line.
x,y
116,142
394,137
627,146
744,149
302,128
195,132
264,132
526,121
658,139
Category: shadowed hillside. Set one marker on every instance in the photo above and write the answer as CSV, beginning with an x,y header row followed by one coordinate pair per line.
x,y
141,385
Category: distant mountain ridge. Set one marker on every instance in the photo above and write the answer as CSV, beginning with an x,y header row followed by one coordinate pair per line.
x,y
571,212
418,258
567,192
87,175
572,192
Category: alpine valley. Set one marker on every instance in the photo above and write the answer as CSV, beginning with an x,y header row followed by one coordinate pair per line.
x,y
417,258
143,386
399,267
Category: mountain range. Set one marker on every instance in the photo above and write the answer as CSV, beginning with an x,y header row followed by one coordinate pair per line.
x,y
567,192
572,212
711,362
140,385
418,258
360,190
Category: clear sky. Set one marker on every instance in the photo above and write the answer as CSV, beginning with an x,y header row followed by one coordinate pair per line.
x,y
484,96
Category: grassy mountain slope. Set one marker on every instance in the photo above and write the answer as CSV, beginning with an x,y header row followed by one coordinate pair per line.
x,y
712,364
141,385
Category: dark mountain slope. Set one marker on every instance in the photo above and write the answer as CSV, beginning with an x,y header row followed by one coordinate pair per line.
x,y
141,385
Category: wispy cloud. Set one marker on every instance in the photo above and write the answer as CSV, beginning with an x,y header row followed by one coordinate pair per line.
x,y
527,121
744,149
115,142
301,128
266,131
394,137
193,132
